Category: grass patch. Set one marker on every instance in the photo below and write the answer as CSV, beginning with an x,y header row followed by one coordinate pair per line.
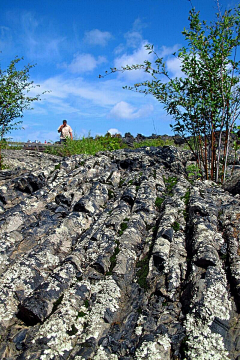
x,y
223,256
175,226
4,167
153,142
123,226
81,314
91,146
142,272
158,202
113,259
86,303
5,144
86,145
186,197
170,182
193,172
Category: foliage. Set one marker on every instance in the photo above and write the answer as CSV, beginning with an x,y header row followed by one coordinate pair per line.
x,y
176,226
4,144
170,182
153,142
158,202
86,145
113,259
123,226
193,171
90,145
186,197
86,303
205,101
81,314
142,272
15,98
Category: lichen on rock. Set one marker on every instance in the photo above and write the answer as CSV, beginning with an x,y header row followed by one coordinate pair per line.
x,y
117,256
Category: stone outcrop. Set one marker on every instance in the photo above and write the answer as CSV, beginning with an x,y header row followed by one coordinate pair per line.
x,y
117,256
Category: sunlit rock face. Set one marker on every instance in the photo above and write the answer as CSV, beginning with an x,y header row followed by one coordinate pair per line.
x,y
117,256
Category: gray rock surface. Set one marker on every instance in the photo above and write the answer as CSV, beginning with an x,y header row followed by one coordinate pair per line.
x,y
233,184
117,256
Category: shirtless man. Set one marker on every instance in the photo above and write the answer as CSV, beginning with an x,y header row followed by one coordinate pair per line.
x,y
65,132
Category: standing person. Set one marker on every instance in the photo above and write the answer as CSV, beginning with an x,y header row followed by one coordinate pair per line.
x,y
65,132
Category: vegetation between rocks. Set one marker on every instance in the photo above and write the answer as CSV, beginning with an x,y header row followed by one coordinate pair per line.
x,y
91,146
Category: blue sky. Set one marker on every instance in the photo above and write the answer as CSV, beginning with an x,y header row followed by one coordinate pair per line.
x,y
73,41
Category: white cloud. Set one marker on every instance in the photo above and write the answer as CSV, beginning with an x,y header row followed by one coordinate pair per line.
x,y
124,110
137,57
80,93
97,37
174,66
84,63
133,38
165,50
114,131
119,49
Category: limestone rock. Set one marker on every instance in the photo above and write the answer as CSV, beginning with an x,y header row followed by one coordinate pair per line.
x,y
117,256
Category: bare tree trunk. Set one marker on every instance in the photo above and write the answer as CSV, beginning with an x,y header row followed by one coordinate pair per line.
x,y
218,156
206,158
225,154
226,157
212,153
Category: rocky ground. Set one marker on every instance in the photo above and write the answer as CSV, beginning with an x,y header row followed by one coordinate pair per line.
x,y
117,256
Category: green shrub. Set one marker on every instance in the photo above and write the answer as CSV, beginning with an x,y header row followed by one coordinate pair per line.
x,y
86,303
113,259
123,226
81,314
89,145
193,171
153,142
175,226
158,202
170,182
142,272
86,145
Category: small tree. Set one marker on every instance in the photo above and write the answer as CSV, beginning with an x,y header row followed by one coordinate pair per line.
x,y
15,96
205,101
